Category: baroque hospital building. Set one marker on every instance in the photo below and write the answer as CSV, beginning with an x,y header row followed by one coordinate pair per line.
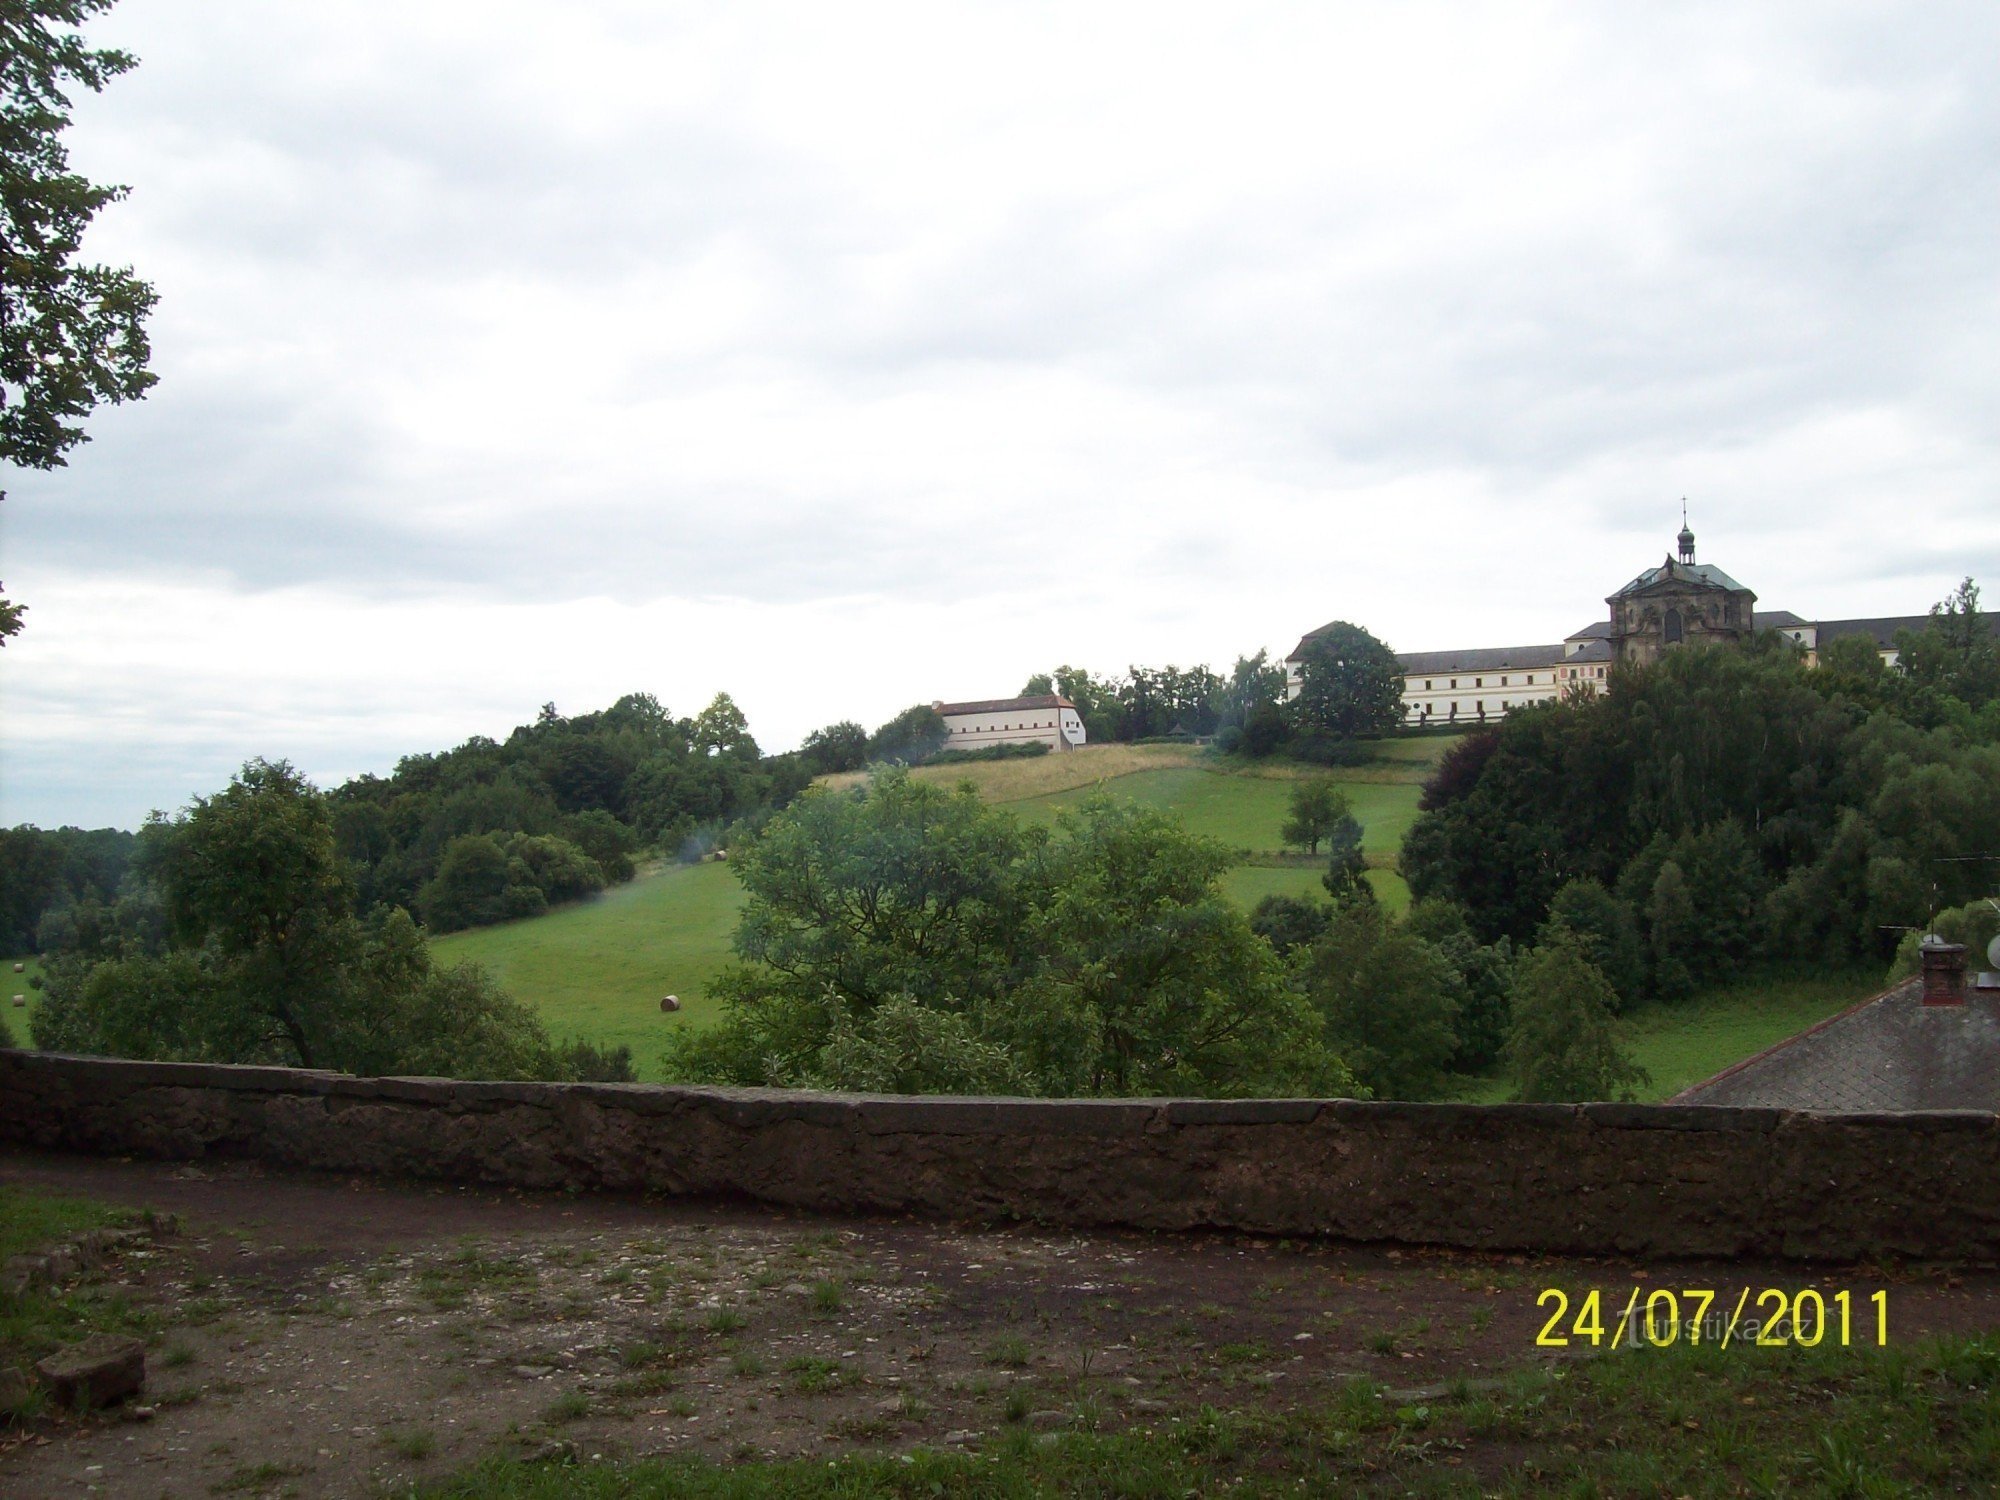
x,y
1679,602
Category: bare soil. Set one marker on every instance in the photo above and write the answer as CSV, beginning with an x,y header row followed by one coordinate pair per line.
x,y
333,1336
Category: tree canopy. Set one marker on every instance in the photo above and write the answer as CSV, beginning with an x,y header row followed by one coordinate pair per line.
x,y
72,334
1350,684
1727,806
262,959
1097,957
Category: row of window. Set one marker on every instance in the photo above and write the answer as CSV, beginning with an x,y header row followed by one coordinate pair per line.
x,y
1480,682
996,728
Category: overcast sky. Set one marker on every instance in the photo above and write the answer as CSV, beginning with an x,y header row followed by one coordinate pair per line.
x,y
848,356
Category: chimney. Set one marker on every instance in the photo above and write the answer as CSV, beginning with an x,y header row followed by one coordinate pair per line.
x,y
1944,970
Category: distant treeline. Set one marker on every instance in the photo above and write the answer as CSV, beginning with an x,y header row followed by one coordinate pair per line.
x,y
1351,688
486,832
49,869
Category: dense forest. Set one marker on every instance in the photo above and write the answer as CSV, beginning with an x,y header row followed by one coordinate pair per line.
x,y
1733,806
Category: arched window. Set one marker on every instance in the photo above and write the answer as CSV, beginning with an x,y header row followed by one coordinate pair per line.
x,y
1673,630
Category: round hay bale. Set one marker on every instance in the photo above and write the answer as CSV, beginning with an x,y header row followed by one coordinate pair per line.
x,y
20,968
670,1002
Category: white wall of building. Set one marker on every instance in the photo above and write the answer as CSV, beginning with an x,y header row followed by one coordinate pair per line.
x,y
1058,728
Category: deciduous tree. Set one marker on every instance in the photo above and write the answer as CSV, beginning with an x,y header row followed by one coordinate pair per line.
x,y
1349,684
1564,1047
1317,805
72,334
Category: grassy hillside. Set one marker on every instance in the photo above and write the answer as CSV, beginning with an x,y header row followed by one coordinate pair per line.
x,y
598,970
17,1019
1243,811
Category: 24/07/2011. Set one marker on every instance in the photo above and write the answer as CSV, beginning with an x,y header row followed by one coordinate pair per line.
x,y
1805,1317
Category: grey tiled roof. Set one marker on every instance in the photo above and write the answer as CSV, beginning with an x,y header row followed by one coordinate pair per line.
x,y
1482,659
1890,1053
1599,631
1883,630
1772,619
1703,573
1006,705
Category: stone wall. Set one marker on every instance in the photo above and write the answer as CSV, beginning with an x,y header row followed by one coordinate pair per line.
x,y
1643,1180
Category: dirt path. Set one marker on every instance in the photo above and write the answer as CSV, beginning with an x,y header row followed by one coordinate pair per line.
x,y
334,1336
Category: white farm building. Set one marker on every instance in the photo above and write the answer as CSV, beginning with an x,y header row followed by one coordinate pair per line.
x,y
1047,718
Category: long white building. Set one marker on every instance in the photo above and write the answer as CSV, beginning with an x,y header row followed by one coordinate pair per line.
x,y
1047,718
1680,601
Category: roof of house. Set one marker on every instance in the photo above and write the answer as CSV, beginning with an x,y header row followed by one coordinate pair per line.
x,y
1771,619
1481,658
1601,630
1702,575
1005,705
1883,630
1889,1053
1299,651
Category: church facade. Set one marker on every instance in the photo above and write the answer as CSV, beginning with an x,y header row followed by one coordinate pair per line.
x,y
1681,602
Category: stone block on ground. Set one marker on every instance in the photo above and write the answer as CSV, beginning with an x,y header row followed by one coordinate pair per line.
x,y
103,1369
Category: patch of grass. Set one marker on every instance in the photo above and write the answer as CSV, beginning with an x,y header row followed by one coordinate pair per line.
x,y
656,1382
812,1374
38,1323
413,1443
1245,810
1242,1354
1683,1043
828,1298
651,1354
864,1429
18,1022
1247,884
597,970
1697,1422
1680,1045
571,1406
1046,775
31,1219
1010,1352
257,1477
726,1320
450,1282
747,1365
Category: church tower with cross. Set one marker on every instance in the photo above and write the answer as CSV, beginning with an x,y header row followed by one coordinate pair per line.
x,y
1681,602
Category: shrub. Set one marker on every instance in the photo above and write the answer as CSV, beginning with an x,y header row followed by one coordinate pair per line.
x,y
1563,1047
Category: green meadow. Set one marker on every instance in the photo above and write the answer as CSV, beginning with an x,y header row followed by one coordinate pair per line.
x,y
1680,1044
597,970
15,1019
